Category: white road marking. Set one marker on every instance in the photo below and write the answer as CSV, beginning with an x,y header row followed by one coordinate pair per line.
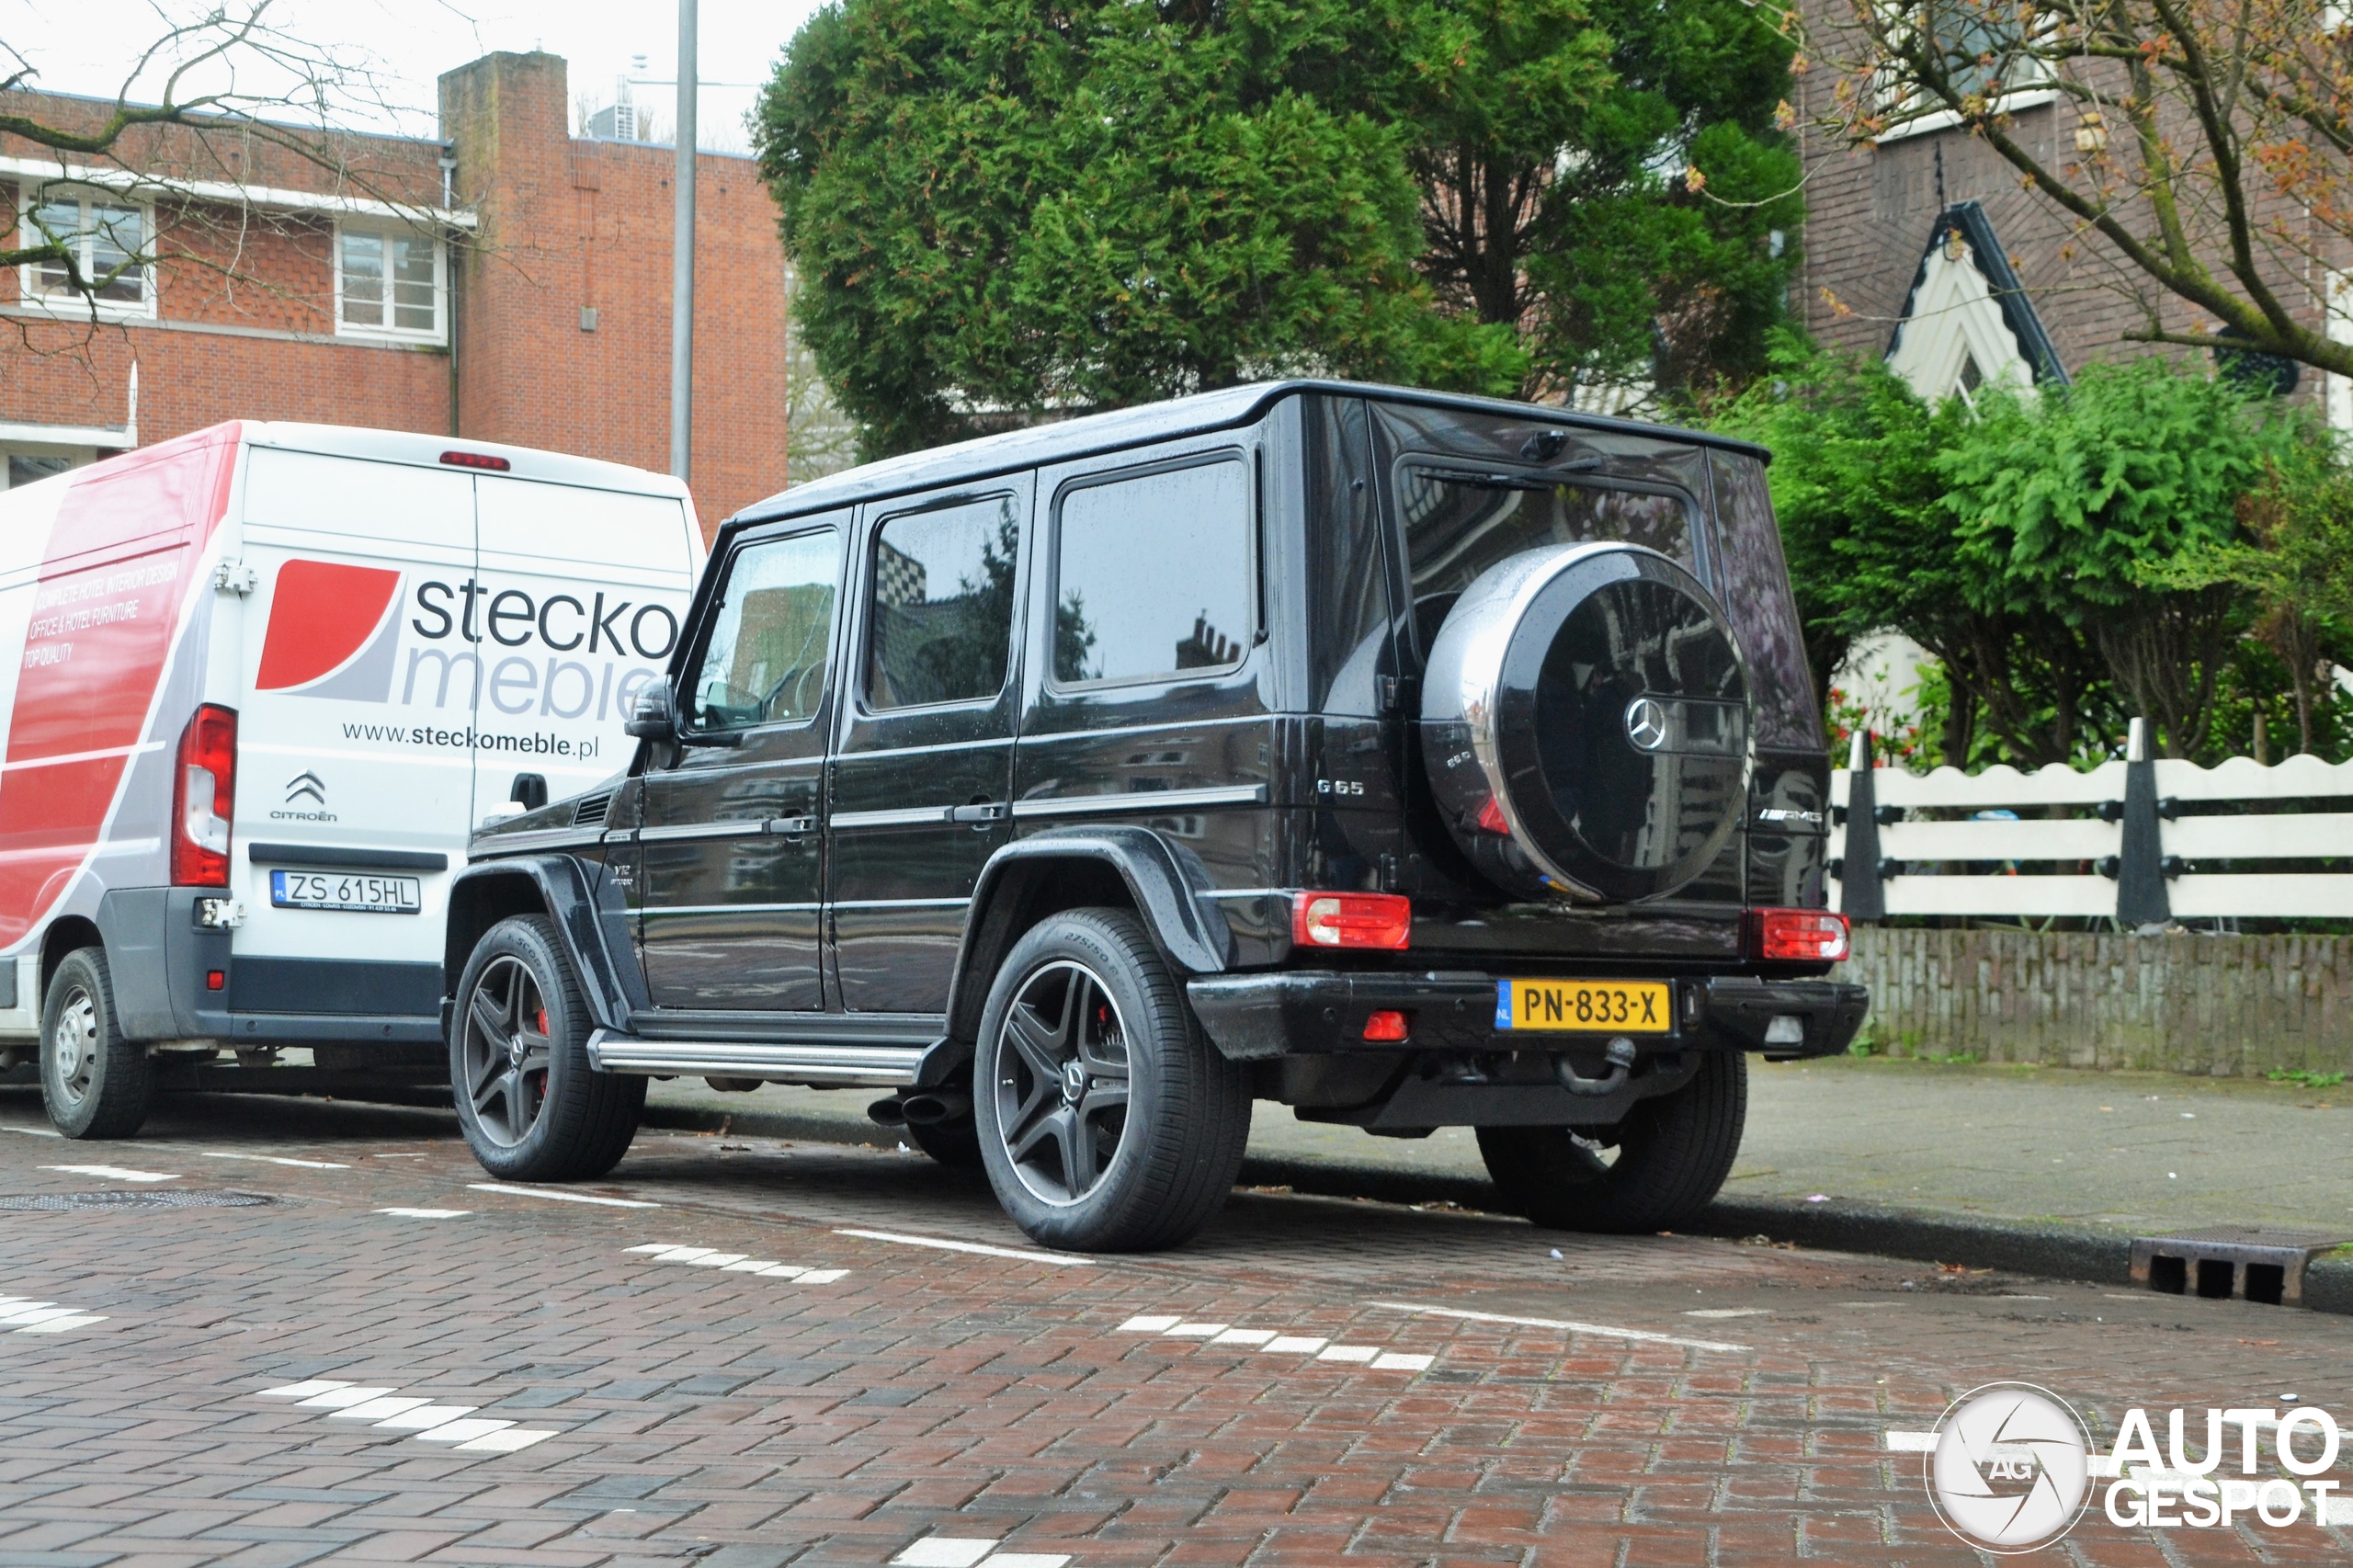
x,y
1399,1361
427,1214
1348,1353
62,1325
1729,1312
559,1197
113,1173
32,1131
424,1417
1267,1341
1293,1344
737,1263
1641,1335
276,1160
1146,1326
421,1420
1911,1442
21,1314
946,1245
1253,1337
1197,1330
945,1552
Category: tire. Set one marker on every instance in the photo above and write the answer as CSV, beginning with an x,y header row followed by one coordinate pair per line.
x,y
1106,1120
1674,1151
531,1107
94,1083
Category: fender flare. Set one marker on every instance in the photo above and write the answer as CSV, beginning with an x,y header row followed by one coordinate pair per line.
x,y
591,917
1166,881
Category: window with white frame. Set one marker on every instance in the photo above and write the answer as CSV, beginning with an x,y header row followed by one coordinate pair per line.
x,y
390,281
108,237
1980,48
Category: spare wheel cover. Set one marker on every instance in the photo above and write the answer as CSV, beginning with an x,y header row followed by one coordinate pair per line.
x,y
1585,724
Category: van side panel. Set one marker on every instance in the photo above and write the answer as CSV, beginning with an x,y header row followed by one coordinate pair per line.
x,y
120,572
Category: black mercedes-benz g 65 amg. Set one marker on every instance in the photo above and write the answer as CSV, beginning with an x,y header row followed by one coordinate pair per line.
x,y
1412,760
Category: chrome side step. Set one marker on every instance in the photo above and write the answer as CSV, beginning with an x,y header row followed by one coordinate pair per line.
x,y
877,1066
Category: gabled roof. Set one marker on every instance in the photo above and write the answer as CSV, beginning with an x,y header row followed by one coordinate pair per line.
x,y
2002,282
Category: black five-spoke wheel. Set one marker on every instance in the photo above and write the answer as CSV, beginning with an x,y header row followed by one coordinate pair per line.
x,y
505,1053
1106,1120
1061,1082
533,1107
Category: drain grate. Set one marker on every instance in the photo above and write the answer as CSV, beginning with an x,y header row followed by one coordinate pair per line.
x,y
180,1198
2255,1263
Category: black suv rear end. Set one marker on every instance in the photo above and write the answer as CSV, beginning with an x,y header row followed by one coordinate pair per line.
x,y
1413,761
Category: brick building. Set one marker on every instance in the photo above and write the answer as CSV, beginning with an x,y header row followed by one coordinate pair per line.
x,y
1926,248
510,283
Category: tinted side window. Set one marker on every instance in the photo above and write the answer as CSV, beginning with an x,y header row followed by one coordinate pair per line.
x,y
766,661
941,610
1764,615
1152,575
1347,579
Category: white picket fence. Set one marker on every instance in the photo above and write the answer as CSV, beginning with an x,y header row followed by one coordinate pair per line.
x,y
1921,852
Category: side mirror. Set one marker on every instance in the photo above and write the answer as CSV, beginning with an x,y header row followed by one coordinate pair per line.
x,y
529,791
655,717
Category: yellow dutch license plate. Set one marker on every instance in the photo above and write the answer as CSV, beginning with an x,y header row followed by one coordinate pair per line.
x,y
1586,1006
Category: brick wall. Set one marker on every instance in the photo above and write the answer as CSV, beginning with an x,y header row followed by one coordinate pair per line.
x,y
2222,1006
244,324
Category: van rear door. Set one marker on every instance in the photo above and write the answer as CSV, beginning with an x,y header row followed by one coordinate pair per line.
x,y
580,595
355,784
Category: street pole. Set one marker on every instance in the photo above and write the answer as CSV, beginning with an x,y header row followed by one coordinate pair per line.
x,y
682,256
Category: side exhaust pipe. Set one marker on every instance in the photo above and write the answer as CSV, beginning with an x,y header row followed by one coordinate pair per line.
x,y
1620,1057
888,1113
929,1108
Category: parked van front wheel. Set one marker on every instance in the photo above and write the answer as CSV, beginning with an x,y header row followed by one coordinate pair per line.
x,y
1653,1171
531,1106
95,1083
1108,1122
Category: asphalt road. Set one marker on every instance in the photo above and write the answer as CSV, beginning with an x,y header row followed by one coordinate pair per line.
x,y
1405,1386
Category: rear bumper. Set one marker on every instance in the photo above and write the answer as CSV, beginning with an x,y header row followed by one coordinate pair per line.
x,y
1261,1018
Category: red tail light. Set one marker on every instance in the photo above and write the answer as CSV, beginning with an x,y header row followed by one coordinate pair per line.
x,y
1806,936
1388,1024
1351,920
204,791
477,460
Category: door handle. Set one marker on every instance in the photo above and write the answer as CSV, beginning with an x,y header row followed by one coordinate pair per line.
x,y
793,827
983,810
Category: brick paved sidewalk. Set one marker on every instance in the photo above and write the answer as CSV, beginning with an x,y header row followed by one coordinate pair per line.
x,y
745,1419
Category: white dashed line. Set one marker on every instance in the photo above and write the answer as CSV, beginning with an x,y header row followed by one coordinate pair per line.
x,y
972,1552
427,1214
737,1263
1267,1341
559,1197
276,1160
19,1315
946,1245
1729,1312
420,1420
1911,1442
113,1173
1641,1335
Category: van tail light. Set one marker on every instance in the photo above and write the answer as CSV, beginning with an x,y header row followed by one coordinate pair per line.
x,y
1351,919
1805,936
203,792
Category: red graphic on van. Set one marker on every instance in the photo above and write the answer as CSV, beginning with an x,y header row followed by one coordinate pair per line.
x,y
331,632
114,579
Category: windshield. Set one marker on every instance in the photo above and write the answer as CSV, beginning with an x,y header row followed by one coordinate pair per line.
x,y
1460,521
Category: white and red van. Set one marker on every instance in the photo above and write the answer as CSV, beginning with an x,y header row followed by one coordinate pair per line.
x,y
258,685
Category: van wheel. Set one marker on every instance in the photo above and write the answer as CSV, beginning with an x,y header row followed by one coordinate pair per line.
x,y
531,1106
95,1083
1106,1120
1653,1171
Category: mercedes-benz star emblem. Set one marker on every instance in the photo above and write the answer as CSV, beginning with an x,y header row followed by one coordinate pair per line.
x,y
1646,723
1074,1081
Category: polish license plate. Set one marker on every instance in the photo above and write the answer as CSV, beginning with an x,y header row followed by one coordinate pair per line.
x,y
354,890
1586,1006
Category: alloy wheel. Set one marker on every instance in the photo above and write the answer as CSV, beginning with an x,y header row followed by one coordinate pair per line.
x,y
506,1051
1061,1082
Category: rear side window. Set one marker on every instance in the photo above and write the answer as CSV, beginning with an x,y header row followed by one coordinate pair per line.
x,y
1461,521
766,661
1153,575
941,610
